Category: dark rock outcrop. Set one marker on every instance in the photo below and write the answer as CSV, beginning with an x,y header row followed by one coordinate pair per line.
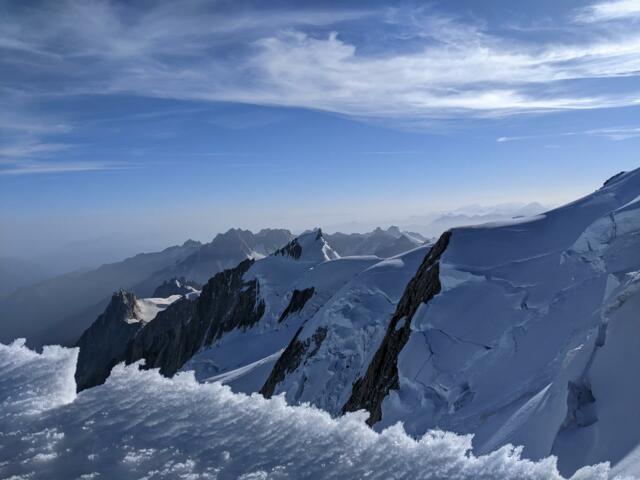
x,y
581,411
292,249
613,179
103,344
382,374
175,286
227,302
291,358
298,300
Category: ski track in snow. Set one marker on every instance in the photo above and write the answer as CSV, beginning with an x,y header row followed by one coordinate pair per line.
x,y
144,426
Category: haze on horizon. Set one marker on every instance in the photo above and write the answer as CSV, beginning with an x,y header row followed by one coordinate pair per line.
x,y
144,125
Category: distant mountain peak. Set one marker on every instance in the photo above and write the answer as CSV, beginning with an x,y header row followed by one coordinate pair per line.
x,y
191,243
175,286
309,246
394,230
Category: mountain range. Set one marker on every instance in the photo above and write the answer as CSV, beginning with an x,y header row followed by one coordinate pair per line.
x,y
59,309
520,333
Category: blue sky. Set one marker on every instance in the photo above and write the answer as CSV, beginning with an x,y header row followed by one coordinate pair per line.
x,y
180,119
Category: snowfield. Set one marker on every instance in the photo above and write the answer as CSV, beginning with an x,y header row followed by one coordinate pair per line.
x,y
140,425
532,340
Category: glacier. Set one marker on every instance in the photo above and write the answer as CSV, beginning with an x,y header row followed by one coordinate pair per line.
x,y
141,425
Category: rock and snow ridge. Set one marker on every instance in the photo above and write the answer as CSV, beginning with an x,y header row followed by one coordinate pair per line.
x,y
381,243
336,343
520,332
309,247
70,302
104,343
142,425
242,316
529,339
177,286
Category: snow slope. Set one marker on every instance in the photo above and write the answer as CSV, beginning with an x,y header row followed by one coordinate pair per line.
x,y
140,425
352,323
278,276
530,339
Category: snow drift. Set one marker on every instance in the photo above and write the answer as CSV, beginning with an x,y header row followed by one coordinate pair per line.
x,y
142,425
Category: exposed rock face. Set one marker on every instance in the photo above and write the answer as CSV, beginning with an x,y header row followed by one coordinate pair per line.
x,y
382,374
298,300
103,344
291,358
227,302
581,410
611,180
292,249
175,286
310,246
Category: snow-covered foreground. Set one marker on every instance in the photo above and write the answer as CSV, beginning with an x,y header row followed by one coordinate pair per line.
x,y
142,425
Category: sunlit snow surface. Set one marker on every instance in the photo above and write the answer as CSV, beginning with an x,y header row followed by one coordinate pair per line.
x,y
141,425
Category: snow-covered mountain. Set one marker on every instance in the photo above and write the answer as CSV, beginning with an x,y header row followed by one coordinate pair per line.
x,y
519,332
59,309
226,250
523,333
379,242
105,341
244,315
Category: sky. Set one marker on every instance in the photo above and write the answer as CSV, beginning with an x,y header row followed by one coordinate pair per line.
x,y
154,122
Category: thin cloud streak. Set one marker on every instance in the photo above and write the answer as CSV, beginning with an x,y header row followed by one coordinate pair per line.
x,y
609,133
35,168
32,149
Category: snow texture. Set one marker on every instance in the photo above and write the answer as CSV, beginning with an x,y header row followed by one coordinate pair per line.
x,y
253,351
354,319
140,425
533,338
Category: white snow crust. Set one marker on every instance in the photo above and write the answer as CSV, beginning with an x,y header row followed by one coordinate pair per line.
x,y
140,425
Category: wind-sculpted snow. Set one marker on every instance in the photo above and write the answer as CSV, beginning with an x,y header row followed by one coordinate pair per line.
x,y
144,426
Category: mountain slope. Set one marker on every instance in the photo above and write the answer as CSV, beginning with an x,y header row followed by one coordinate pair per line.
x,y
527,337
379,242
335,345
243,314
226,250
59,309
38,312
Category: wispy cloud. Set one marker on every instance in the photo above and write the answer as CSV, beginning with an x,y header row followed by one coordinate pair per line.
x,y
39,167
610,133
309,59
606,11
616,133
32,149
27,156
